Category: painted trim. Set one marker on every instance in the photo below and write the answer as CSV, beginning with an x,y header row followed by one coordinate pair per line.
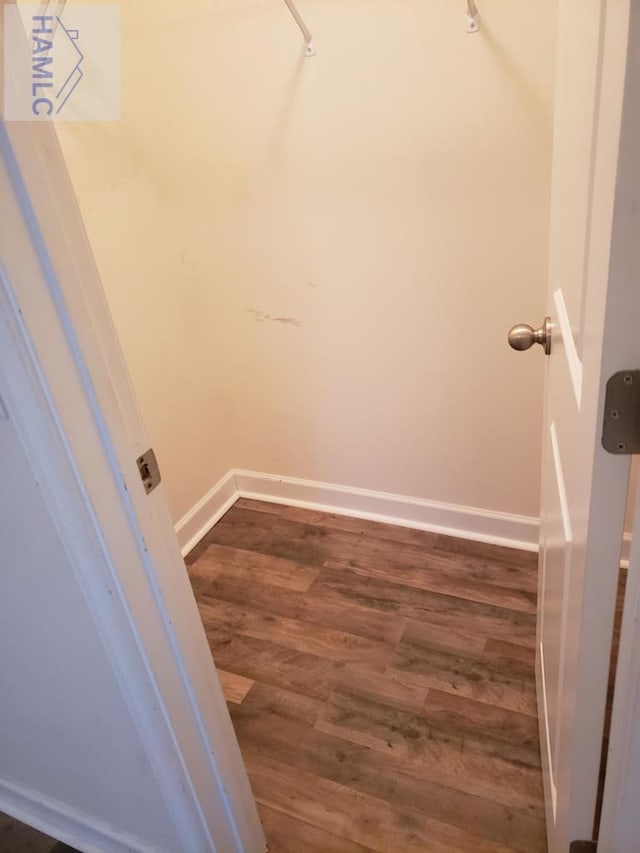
x,y
480,525
562,492
566,586
75,828
620,824
626,548
513,531
544,721
573,359
81,454
195,524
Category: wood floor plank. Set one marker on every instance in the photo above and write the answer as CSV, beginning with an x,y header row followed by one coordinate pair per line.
x,y
483,727
335,521
381,681
505,683
511,655
374,684
317,609
482,796
305,544
463,567
486,551
343,811
235,687
405,546
373,724
247,567
17,837
430,607
223,616
453,640
201,573
437,578
279,666
269,700
421,540
286,834
419,737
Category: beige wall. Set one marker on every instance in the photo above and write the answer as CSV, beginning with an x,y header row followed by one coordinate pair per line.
x,y
312,263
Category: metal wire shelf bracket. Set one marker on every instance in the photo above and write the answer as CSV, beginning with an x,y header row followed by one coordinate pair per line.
x,y
309,47
473,18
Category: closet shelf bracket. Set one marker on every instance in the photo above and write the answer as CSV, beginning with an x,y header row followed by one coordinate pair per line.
x,y
309,47
473,18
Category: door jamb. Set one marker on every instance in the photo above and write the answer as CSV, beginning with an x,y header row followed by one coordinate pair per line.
x,y
620,821
135,582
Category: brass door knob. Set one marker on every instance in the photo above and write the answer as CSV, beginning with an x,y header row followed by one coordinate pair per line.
x,y
522,336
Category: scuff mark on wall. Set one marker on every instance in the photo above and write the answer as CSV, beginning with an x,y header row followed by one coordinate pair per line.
x,y
260,316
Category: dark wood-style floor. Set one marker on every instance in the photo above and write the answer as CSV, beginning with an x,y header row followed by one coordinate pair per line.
x,y
16,837
380,681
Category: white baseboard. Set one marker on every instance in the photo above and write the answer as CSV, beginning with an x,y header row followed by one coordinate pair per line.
x,y
513,531
193,526
74,828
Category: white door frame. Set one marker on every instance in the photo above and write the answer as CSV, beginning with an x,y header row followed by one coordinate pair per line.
x,y
587,510
620,821
67,389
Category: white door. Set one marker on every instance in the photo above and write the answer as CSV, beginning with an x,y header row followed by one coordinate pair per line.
x,y
594,304
65,384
